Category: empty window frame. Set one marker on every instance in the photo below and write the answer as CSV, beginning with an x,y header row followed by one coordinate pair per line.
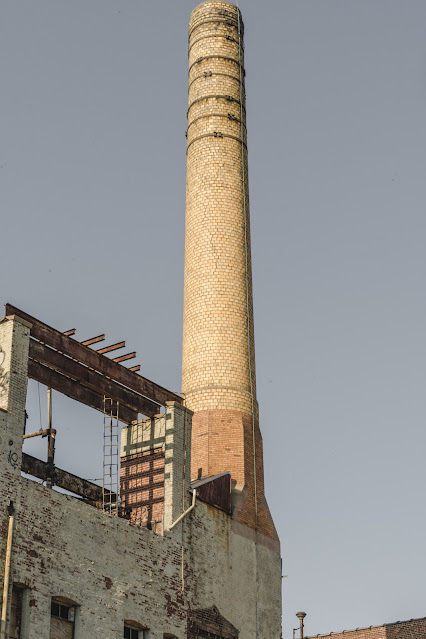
x,y
15,620
61,620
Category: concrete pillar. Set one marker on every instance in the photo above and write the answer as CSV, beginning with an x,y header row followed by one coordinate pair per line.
x,y
218,372
177,463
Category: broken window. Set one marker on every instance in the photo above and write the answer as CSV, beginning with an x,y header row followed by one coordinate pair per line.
x,y
61,620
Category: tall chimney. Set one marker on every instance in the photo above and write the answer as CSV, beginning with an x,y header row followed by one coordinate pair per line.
x,y
218,376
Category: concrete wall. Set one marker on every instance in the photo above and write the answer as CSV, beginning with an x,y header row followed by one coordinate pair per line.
x,y
236,573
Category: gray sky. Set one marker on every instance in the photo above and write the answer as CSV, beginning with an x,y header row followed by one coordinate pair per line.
x,y
92,183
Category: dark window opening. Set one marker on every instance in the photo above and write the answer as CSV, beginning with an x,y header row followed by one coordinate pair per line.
x,y
131,633
15,614
62,611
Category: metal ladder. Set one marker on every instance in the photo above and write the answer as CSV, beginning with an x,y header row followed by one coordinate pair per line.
x,y
110,478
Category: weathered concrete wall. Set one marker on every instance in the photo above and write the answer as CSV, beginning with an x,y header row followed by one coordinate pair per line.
x,y
236,574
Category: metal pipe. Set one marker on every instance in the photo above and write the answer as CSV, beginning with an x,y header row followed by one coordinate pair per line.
x,y
40,433
184,514
49,408
6,582
51,446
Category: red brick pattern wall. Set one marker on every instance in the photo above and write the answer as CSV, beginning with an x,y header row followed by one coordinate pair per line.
x,y
413,629
223,440
142,486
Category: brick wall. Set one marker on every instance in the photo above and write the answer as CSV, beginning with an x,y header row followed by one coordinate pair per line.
x,y
218,371
412,629
218,312
109,567
114,570
156,465
142,487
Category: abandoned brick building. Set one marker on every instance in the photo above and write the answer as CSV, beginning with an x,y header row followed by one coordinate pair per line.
x,y
178,541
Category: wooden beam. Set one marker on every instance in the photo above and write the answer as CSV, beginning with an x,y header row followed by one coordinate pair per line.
x,y
135,369
91,379
75,390
64,479
123,358
70,332
93,340
91,358
112,347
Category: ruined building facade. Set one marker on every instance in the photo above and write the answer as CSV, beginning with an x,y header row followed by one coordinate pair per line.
x,y
189,549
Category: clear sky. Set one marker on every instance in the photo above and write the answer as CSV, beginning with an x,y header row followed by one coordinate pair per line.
x,y
92,183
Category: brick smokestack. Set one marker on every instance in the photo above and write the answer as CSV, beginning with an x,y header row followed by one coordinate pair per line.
x,y
218,376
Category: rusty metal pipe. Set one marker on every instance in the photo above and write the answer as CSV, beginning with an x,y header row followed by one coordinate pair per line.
x,y
50,438
3,622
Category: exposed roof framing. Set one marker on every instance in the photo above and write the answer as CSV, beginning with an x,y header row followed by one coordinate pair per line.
x,y
72,368
112,347
123,358
93,340
76,390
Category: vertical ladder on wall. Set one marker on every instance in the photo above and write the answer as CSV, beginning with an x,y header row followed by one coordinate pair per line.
x,y
111,478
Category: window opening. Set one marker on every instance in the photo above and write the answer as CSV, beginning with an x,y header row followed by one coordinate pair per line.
x,y
61,620
15,623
